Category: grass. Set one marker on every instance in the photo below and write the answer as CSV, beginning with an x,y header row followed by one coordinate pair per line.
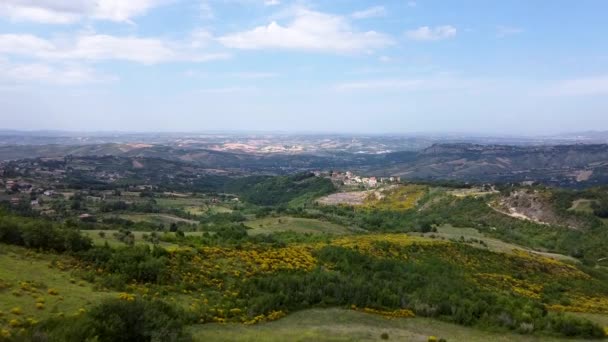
x,y
164,219
348,325
269,225
207,209
180,202
19,266
495,245
602,320
112,241
582,206
474,192
400,198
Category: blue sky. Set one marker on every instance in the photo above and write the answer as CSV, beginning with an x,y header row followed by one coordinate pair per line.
x,y
498,67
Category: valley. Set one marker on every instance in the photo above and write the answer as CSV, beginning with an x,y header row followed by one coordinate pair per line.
x,y
319,254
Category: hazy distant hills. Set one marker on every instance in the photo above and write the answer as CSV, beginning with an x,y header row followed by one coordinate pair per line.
x,y
564,165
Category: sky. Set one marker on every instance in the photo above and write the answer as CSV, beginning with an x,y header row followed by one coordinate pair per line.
x,y
399,66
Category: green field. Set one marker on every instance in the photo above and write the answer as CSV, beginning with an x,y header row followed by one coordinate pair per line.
x,y
270,225
180,202
112,241
164,219
207,209
347,325
27,277
583,206
495,245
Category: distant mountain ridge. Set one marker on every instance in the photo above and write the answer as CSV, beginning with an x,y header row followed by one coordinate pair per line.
x,y
565,165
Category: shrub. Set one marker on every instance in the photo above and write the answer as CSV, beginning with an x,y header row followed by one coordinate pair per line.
x,y
384,336
117,320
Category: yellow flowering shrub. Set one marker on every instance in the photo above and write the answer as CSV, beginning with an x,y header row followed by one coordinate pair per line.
x,y
507,283
402,197
5,333
271,316
581,303
126,296
400,313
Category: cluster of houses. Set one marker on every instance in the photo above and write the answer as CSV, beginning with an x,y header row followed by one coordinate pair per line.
x,y
348,178
17,186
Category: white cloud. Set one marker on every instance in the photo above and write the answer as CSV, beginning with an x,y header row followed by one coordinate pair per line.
x,y
69,11
97,47
379,85
24,44
45,73
431,83
426,33
122,10
310,31
503,31
254,75
372,12
272,2
227,90
588,86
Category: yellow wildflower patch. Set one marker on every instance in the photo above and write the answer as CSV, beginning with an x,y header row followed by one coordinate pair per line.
x,y
126,296
507,283
400,313
580,303
397,198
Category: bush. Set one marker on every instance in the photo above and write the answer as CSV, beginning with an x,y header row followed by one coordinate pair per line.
x,y
117,320
41,234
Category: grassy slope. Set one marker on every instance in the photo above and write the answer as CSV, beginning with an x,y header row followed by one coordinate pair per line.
x,y
399,198
301,225
206,209
20,265
155,218
112,241
495,245
347,325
